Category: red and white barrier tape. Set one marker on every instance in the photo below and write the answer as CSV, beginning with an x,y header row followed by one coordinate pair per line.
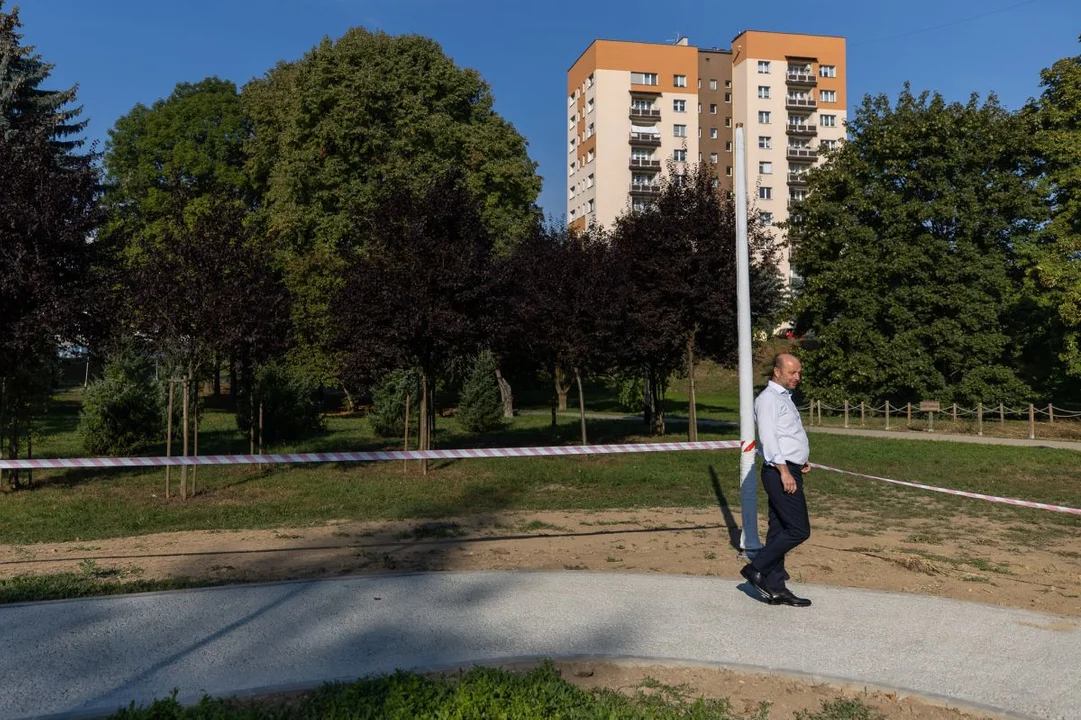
x,y
962,493
374,456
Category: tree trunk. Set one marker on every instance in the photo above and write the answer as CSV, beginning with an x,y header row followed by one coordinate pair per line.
x,y
581,405
195,439
233,378
424,420
692,410
563,387
405,463
3,426
506,393
29,454
647,395
217,376
658,404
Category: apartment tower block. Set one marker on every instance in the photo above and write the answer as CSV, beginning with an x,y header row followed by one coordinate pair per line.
x,y
637,109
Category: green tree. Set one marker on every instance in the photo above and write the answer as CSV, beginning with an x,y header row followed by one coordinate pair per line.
x,y
353,114
911,244
1056,120
47,214
480,409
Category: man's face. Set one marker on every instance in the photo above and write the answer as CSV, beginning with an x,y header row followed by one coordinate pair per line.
x,y
787,376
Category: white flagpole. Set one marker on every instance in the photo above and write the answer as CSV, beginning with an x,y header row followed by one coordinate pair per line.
x,y
749,542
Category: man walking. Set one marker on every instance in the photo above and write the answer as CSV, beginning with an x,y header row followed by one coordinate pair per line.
x,y
785,451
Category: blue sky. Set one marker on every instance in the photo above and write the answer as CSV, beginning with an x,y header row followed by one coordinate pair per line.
x,y
121,52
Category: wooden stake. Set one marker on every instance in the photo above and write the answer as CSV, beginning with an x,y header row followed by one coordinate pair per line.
x,y
184,468
908,410
582,406
979,418
887,414
405,463
169,436
846,413
1050,414
1031,421
955,412
195,429
1001,414
861,413
260,426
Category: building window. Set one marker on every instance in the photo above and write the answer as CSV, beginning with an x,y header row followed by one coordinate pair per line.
x,y
589,181
641,154
763,92
589,156
679,80
828,120
699,132
728,172
728,97
763,67
640,205
699,157
728,83
589,106
679,155
679,131
728,146
713,108
591,205
713,133
574,141
765,193
827,144
765,168
829,71
728,122
644,78
763,117
827,95
764,142
589,81
713,158
713,83
679,106
589,131
766,218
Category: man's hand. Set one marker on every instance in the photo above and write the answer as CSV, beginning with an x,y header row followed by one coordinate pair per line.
x,y
787,481
806,468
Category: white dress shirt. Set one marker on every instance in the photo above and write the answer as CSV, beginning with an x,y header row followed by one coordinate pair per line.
x,y
781,437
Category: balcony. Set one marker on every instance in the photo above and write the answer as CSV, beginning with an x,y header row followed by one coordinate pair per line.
x,y
801,153
641,138
800,103
648,189
797,77
802,129
797,178
645,164
638,113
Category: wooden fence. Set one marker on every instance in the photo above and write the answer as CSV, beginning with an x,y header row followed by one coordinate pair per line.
x,y
1053,421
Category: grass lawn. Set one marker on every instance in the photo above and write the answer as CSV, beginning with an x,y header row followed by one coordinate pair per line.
x,y
485,693
85,504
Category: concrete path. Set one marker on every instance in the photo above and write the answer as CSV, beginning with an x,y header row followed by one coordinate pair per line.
x,y
84,656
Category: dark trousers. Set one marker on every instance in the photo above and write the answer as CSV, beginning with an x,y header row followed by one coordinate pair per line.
x,y
789,525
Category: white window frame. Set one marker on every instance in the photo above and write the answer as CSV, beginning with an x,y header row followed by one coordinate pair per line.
x,y
765,217
763,67
713,83
644,78
827,71
679,81
679,130
765,167
679,106
827,120
765,192
679,155
827,96
763,92
764,117
713,133
765,142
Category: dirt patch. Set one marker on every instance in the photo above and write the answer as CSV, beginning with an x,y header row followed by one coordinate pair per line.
x,y
959,558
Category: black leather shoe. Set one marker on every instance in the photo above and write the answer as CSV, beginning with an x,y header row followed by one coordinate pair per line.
x,y
755,579
785,597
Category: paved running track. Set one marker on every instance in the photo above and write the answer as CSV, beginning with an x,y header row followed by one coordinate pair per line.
x,y
79,658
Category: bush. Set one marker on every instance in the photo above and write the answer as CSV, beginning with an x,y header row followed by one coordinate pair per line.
x,y
631,390
291,403
991,385
480,406
124,411
388,403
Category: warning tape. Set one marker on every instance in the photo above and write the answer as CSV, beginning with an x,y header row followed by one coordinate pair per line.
x,y
471,453
961,493
373,456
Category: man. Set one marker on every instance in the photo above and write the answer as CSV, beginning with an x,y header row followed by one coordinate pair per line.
x,y
783,444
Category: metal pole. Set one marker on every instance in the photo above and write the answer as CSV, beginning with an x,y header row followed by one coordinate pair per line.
x,y
749,541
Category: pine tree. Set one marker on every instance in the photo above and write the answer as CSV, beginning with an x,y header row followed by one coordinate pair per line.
x,y
47,202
